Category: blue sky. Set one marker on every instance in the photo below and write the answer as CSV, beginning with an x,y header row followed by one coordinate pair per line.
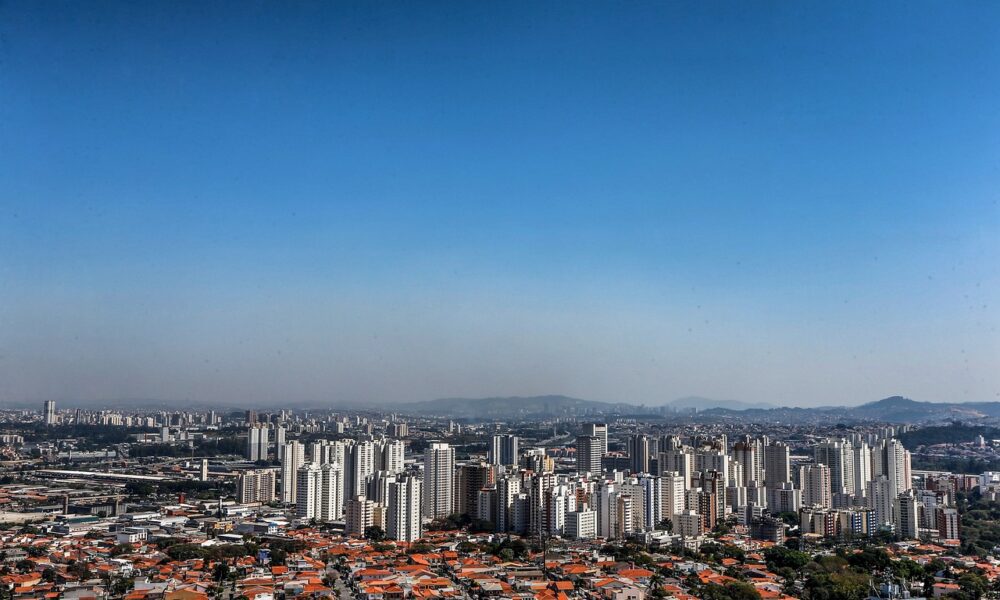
x,y
328,202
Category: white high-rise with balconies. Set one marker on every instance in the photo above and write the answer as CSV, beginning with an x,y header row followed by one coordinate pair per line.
x,y
256,485
439,474
292,459
257,441
393,456
403,512
815,482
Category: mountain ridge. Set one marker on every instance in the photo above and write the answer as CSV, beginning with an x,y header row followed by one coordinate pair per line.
x,y
893,409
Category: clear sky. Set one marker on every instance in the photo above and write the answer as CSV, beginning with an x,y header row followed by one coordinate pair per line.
x,y
312,202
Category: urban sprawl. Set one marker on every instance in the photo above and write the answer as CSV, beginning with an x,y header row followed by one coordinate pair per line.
x,y
150,504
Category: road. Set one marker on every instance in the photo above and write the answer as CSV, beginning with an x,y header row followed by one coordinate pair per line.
x,y
338,585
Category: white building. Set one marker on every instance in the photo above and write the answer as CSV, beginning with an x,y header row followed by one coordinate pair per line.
x,y
360,515
439,473
581,525
815,482
257,441
403,512
256,485
689,523
292,459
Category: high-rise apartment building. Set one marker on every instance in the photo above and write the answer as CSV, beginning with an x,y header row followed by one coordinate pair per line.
x,y
320,492
292,459
256,485
393,456
588,454
673,487
359,515
777,463
839,456
439,473
49,412
504,450
679,461
639,453
469,481
907,517
947,523
815,482
862,464
257,441
785,498
599,431
403,511
892,460
879,497
360,463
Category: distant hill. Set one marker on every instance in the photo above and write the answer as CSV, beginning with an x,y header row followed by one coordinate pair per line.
x,y
888,410
895,409
516,406
701,403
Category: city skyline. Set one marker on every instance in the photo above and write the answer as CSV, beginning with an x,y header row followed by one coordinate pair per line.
x,y
355,204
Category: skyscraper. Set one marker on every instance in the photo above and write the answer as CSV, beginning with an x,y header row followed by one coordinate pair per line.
x,y
320,493
638,451
815,482
359,515
292,459
777,462
906,515
360,463
892,460
469,481
600,431
403,512
49,412
257,441
839,456
862,465
504,450
588,454
256,485
393,456
439,473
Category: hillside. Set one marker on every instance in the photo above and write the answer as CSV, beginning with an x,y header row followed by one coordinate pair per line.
x,y
516,406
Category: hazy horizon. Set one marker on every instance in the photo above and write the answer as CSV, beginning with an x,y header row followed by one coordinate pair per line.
x,y
682,403
363,203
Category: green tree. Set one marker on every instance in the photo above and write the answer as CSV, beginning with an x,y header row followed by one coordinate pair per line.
x,y
973,584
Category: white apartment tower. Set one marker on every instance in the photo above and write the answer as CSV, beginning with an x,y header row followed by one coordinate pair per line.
x,y
256,485
293,457
359,516
257,440
49,412
320,492
599,431
504,450
393,456
892,460
839,456
403,512
815,482
439,473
